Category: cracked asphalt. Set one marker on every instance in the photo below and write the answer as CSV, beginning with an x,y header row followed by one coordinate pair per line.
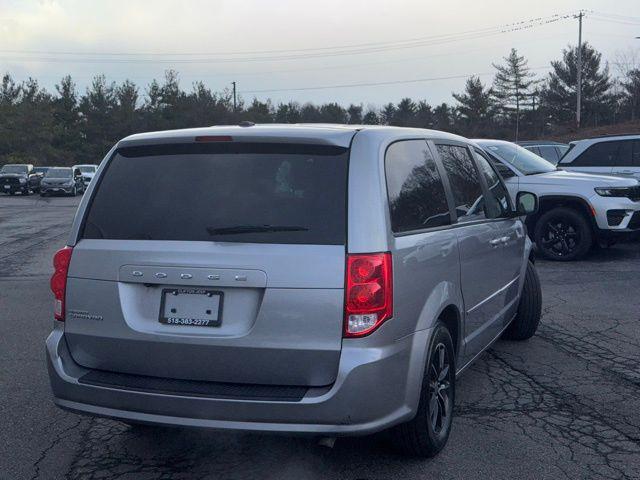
x,y
565,404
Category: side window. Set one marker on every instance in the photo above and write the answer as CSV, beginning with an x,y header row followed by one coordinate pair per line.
x,y
562,150
464,180
635,160
535,150
602,154
625,154
502,169
417,198
549,153
498,204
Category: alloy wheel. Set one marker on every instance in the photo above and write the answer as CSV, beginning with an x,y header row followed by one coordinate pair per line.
x,y
440,378
560,237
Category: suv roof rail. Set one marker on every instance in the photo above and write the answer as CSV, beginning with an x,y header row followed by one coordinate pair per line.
x,y
637,134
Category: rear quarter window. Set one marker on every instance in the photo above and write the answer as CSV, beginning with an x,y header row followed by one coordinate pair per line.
x,y
605,154
230,192
417,198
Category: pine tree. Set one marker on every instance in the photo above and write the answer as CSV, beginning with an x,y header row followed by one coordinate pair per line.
x,y
512,87
559,95
631,88
475,107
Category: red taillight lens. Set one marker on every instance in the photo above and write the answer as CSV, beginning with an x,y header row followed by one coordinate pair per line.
x,y
214,138
58,283
368,295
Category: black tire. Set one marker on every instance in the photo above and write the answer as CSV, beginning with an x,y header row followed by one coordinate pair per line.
x,y
527,318
563,234
421,437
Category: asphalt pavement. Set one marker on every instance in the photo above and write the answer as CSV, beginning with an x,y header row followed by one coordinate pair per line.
x,y
565,404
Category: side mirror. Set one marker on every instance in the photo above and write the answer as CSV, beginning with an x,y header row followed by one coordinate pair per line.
x,y
526,203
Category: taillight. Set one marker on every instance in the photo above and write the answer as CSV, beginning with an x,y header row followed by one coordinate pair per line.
x,y
58,283
368,294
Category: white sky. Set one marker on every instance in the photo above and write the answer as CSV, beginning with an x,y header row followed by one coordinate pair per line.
x,y
219,27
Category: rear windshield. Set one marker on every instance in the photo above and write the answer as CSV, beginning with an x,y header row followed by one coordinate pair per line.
x,y
87,169
228,192
58,173
14,169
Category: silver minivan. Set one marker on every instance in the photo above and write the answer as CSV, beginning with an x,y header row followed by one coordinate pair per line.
x,y
328,280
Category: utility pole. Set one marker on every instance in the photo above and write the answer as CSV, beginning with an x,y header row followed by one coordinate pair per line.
x,y
579,72
234,97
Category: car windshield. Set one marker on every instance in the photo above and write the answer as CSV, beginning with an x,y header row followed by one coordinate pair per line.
x,y
87,169
21,169
59,173
40,170
521,159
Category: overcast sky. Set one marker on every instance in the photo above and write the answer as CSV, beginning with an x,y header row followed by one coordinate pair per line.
x,y
304,42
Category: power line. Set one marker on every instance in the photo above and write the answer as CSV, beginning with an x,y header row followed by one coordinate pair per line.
x,y
294,54
377,84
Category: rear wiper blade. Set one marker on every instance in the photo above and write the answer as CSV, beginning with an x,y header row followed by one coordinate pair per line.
x,y
254,229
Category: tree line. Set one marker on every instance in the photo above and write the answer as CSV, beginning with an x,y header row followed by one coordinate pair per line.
x,y
67,127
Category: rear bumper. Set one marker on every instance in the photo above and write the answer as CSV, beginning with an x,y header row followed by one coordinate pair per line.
x,y
376,388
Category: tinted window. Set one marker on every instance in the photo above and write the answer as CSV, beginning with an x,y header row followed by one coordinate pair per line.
x,y
604,154
549,153
227,192
59,173
535,150
498,205
417,198
19,169
636,154
464,181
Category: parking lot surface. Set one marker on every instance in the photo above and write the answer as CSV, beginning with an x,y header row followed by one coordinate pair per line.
x,y
565,404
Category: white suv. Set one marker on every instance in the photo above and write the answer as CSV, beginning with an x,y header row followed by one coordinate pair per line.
x,y
577,210
615,155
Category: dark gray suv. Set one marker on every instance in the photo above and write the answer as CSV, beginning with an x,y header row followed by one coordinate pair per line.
x,y
328,280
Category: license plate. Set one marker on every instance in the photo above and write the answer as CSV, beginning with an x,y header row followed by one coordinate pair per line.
x,y
197,307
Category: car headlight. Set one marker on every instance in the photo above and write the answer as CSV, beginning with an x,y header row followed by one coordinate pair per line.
x,y
613,191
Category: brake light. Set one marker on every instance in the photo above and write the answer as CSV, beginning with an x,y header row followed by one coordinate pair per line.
x,y
368,294
58,283
214,138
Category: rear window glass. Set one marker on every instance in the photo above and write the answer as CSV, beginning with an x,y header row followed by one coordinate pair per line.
x,y
58,173
230,192
605,154
417,198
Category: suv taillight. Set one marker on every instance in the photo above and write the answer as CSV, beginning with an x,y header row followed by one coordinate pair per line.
x,y
368,294
58,283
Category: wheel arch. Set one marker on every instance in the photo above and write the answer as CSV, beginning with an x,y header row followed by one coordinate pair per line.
x,y
549,202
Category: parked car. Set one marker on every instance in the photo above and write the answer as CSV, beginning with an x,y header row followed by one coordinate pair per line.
x,y
87,171
63,180
612,155
577,210
40,172
191,293
550,151
16,178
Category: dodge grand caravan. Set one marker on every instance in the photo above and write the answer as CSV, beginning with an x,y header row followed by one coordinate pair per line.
x,y
325,280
